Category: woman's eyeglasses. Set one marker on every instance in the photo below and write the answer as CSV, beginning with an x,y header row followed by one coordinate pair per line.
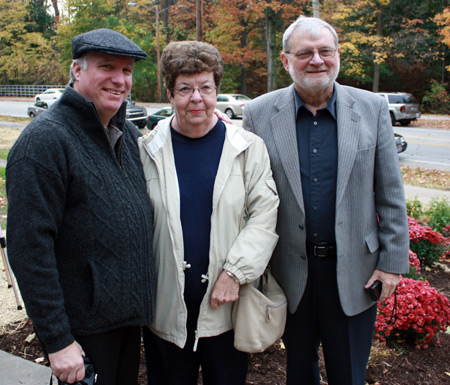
x,y
188,91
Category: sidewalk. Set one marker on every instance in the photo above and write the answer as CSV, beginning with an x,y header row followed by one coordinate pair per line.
x,y
424,195
18,371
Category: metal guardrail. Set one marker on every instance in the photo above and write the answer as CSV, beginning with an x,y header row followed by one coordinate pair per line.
x,y
25,90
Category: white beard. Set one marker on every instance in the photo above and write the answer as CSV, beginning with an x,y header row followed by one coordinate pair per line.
x,y
305,83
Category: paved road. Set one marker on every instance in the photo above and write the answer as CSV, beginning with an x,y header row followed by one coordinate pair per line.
x,y
19,108
427,148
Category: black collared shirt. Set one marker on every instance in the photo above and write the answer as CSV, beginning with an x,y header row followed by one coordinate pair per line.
x,y
318,156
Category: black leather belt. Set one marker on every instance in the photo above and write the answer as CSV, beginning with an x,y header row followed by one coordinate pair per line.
x,y
321,249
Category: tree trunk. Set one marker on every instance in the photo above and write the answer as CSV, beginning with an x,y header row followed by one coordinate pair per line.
x,y
376,66
271,51
56,9
199,19
244,73
376,77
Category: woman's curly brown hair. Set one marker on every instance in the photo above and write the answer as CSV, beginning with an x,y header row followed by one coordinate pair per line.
x,y
190,57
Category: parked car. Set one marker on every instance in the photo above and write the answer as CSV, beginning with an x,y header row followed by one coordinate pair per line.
x,y
232,104
403,107
36,109
50,95
153,119
136,114
400,143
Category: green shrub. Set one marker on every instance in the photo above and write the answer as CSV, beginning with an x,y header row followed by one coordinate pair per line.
x,y
414,208
437,100
439,214
414,267
429,245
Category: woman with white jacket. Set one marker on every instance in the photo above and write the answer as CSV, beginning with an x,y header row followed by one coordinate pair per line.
x,y
215,209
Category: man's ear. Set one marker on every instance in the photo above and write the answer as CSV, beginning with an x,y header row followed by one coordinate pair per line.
x,y
76,70
285,61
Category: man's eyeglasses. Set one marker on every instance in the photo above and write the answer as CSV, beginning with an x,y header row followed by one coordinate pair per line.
x,y
188,91
324,53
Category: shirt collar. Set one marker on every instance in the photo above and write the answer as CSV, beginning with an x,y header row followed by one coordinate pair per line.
x,y
331,106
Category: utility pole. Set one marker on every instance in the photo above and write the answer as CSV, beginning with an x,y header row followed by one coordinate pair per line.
x,y
316,10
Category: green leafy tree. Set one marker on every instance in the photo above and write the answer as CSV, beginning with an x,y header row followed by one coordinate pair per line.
x,y
39,19
26,56
437,99
418,56
84,15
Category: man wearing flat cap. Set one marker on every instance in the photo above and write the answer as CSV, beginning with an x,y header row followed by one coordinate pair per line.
x,y
80,221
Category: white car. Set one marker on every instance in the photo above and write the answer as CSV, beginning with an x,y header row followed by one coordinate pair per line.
x,y
232,104
50,95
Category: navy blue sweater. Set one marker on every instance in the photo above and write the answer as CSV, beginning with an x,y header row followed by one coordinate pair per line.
x,y
197,161
79,224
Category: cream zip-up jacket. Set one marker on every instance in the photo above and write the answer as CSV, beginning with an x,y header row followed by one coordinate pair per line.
x,y
243,221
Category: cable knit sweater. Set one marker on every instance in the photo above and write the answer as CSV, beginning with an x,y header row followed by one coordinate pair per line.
x,y
79,224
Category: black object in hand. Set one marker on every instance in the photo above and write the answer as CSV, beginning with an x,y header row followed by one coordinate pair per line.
x,y
374,291
90,377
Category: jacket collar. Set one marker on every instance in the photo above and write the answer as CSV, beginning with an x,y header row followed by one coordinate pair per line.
x,y
161,134
85,109
349,132
285,137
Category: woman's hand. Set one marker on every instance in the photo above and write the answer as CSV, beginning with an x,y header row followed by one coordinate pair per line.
x,y
225,290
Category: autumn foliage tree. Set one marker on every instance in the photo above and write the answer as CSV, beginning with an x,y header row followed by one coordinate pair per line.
x,y
391,45
443,22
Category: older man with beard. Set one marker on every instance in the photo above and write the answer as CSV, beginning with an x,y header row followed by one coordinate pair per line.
x,y
342,216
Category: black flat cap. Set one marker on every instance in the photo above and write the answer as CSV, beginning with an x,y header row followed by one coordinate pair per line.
x,y
105,41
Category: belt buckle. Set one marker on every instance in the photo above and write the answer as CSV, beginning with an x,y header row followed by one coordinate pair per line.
x,y
320,251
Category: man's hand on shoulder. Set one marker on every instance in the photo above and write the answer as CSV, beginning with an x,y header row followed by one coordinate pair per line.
x,y
67,364
223,117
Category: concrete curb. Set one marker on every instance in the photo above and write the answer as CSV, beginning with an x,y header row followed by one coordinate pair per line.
x,y
18,371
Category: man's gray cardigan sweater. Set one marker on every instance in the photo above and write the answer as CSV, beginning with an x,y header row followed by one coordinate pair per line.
x,y
79,229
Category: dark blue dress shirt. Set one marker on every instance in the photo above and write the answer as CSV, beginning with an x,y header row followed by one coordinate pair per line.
x,y
318,156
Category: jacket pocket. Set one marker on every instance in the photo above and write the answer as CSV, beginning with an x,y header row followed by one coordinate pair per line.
x,y
95,283
372,241
108,299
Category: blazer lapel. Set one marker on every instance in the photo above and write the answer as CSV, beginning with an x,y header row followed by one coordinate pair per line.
x,y
347,128
285,137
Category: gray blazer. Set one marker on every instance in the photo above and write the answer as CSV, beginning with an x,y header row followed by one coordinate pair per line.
x,y
371,223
